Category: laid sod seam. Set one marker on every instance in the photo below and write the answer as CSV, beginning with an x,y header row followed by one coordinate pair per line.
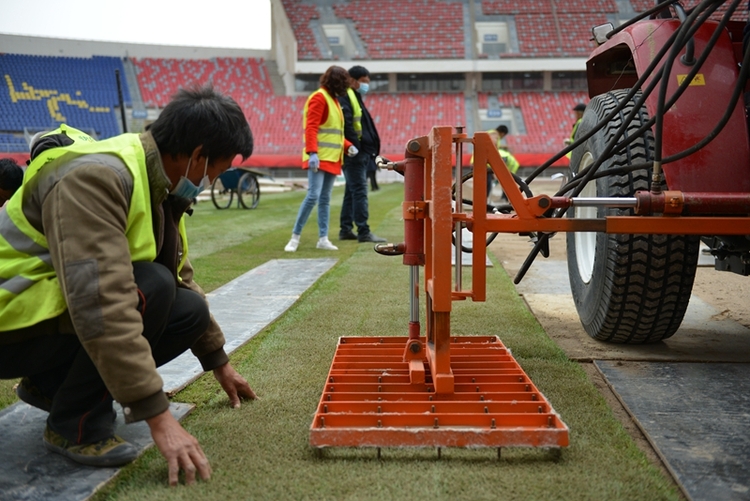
x,y
260,451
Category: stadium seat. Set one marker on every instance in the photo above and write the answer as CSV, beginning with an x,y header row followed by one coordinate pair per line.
x,y
43,91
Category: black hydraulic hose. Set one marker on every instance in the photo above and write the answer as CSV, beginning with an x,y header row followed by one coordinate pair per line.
x,y
675,43
505,208
675,46
674,40
680,90
642,15
667,69
641,80
688,58
685,84
646,92
738,90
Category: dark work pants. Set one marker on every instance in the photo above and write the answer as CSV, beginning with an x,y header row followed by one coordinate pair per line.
x,y
173,319
372,176
354,209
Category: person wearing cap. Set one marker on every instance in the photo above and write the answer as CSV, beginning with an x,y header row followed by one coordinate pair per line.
x,y
97,288
359,129
578,109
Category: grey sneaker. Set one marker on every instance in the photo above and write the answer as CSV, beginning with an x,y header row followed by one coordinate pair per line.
x,y
112,451
325,244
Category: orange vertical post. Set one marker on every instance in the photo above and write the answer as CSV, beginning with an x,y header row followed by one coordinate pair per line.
x,y
439,283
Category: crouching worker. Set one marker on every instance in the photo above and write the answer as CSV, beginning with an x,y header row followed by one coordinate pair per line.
x,y
96,291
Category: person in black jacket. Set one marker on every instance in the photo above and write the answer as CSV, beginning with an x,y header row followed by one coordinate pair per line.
x,y
360,130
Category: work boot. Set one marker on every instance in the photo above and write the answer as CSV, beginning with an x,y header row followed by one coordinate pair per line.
x,y
370,237
32,395
112,451
325,244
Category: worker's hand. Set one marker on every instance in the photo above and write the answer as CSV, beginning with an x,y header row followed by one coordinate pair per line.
x,y
234,385
352,151
313,162
181,450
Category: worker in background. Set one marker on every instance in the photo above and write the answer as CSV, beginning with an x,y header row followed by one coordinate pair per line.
x,y
578,109
510,161
502,131
323,124
359,129
11,177
103,292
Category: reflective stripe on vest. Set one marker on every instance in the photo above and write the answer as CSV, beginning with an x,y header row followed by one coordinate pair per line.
x,y
29,287
356,112
330,133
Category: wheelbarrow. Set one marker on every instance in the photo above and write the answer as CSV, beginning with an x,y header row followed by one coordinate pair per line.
x,y
236,180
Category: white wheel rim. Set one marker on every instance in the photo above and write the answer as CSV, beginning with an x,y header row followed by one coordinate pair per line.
x,y
585,241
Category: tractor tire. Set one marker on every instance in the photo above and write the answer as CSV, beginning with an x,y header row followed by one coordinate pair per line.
x,y
628,289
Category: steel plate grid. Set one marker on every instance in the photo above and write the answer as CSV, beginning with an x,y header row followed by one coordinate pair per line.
x,y
369,401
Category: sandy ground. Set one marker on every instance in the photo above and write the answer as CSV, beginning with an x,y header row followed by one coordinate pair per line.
x,y
716,327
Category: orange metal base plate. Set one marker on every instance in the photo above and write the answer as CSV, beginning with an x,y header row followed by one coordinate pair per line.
x,y
370,401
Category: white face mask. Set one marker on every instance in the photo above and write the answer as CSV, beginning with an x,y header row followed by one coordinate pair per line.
x,y
363,88
185,187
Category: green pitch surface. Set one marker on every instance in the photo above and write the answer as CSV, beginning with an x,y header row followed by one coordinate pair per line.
x,y
261,451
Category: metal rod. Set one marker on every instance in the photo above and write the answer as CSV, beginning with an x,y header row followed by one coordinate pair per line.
x,y
414,299
603,202
459,209
121,101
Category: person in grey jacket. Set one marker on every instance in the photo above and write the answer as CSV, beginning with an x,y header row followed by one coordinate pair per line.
x,y
111,213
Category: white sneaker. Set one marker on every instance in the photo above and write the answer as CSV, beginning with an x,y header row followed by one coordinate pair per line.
x,y
326,244
292,245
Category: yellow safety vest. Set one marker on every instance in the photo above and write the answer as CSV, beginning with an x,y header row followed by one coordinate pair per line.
x,y
573,135
356,112
330,133
29,287
76,135
510,161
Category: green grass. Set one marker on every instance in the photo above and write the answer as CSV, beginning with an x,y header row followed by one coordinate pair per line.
x,y
261,450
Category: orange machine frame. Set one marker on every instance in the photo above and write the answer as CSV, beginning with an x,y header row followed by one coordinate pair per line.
x,y
438,390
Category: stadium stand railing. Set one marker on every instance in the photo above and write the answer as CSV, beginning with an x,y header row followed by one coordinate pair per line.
x,y
300,15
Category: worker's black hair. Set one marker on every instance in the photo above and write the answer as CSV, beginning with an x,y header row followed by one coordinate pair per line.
x,y
502,129
11,175
357,72
200,116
